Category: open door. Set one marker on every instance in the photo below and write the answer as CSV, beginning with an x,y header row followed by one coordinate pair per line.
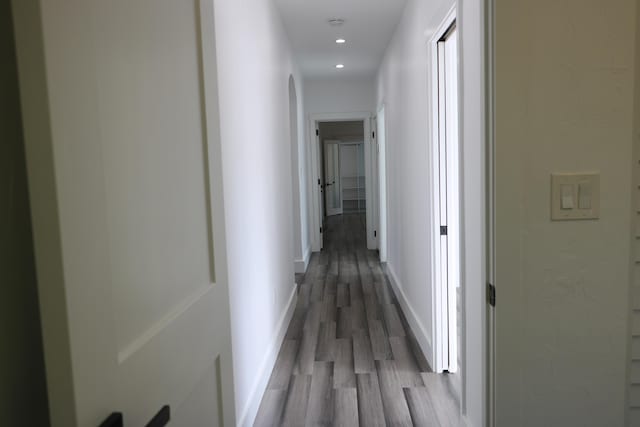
x,y
446,178
332,195
120,114
449,48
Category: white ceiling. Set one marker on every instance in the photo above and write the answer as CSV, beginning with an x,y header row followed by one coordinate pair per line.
x,y
368,28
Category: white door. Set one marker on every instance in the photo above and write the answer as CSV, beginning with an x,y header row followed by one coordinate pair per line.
x,y
382,185
449,195
332,195
121,125
453,195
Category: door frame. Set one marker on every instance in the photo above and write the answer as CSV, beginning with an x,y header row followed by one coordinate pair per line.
x,y
439,285
476,129
382,204
315,176
490,262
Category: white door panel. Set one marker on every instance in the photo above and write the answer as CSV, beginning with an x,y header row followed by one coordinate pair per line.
x,y
332,191
453,193
127,157
446,182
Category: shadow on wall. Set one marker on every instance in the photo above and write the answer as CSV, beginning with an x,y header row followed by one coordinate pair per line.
x,y
23,396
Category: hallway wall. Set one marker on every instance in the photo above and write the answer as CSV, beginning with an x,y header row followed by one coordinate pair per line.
x,y
564,103
23,393
339,95
402,86
255,62
329,96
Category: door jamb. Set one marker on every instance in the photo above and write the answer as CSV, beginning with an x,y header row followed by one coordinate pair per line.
x,y
383,229
440,336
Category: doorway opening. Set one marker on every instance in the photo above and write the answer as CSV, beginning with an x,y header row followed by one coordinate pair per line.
x,y
343,163
446,196
342,173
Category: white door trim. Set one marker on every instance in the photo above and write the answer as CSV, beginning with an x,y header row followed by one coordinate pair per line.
x,y
475,26
382,208
490,122
439,284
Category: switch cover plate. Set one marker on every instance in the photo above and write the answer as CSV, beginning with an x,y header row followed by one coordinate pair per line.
x,y
575,196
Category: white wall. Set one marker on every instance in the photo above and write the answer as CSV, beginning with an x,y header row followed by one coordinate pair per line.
x,y
255,62
339,95
564,103
402,87
326,96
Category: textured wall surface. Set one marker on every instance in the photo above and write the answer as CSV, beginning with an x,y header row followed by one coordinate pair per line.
x,y
633,375
564,81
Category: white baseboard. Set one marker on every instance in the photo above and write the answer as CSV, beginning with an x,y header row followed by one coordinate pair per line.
x,y
416,326
248,414
300,265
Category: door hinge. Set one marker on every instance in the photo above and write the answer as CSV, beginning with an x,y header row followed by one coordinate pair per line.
x,y
375,233
317,132
320,229
373,135
319,181
491,294
444,230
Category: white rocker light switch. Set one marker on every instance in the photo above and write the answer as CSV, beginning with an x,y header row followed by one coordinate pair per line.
x,y
575,196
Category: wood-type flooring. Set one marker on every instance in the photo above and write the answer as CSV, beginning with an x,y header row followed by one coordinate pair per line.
x,y
349,357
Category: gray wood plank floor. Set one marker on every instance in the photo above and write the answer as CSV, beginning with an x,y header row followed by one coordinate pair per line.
x,y
349,358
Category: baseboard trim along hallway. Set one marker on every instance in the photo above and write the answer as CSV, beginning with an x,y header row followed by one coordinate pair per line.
x,y
302,264
407,309
249,412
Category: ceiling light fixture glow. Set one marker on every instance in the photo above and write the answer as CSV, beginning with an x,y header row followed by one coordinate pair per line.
x,y
341,41
339,66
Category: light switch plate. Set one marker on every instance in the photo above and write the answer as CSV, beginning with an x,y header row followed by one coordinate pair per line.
x,y
584,189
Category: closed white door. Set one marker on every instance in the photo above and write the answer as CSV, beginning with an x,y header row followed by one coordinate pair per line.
x,y
121,127
333,198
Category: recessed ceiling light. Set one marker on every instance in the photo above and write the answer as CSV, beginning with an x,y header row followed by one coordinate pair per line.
x,y
340,41
340,66
336,22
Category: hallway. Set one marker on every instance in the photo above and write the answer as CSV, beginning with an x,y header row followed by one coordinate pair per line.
x,y
349,357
